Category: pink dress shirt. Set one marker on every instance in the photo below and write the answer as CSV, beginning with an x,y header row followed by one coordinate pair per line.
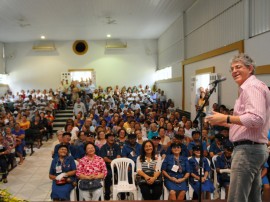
x,y
253,108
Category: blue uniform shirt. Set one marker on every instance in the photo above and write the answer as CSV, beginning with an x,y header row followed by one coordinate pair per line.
x,y
110,152
131,152
192,144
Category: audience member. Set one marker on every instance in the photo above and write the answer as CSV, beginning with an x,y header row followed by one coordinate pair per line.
x,y
91,167
62,174
109,152
176,169
4,151
148,167
194,161
223,168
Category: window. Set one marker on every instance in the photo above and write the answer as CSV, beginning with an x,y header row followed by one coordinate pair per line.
x,y
4,79
162,74
81,75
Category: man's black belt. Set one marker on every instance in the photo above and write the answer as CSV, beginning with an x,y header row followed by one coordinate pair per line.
x,y
249,142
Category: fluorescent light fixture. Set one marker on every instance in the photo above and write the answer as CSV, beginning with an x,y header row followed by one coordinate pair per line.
x,y
42,37
108,35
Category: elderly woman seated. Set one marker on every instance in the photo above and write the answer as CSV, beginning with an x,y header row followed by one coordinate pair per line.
x,y
91,167
62,173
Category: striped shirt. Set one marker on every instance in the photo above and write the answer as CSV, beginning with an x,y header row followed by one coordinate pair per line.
x,y
253,108
152,165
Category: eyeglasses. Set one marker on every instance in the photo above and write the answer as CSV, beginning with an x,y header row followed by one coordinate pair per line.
x,y
176,147
237,67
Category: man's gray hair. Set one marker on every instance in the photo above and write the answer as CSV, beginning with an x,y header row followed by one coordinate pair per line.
x,y
245,59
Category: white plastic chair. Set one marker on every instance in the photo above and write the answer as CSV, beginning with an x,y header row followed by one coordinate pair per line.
x,y
73,195
216,184
122,166
81,197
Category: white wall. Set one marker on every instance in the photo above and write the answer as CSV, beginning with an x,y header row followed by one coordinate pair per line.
x,y
1,59
213,24
173,90
171,53
258,48
171,45
131,66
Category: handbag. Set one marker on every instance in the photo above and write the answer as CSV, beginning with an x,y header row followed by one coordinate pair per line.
x,y
63,181
140,180
89,185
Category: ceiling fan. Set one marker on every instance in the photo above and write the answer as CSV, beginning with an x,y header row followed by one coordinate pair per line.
x,y
110,21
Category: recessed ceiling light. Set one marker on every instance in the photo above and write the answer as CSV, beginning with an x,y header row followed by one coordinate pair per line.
x,y
42,37
108,35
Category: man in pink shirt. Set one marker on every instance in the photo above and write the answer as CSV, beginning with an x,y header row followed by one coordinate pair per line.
x,y
249,126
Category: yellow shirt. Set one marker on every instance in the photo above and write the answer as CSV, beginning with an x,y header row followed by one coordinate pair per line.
x,y
25,125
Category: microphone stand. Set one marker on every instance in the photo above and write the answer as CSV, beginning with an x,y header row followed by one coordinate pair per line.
x,y
201,114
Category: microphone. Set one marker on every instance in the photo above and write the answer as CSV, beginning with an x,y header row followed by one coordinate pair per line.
x,y
218,80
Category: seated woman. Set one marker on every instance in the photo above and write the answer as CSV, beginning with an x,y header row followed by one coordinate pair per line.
x,y
91,167
148,167
20,141
4,151
121,137
62,173
207,185
101,140
39,130
176,169
24,124
11,140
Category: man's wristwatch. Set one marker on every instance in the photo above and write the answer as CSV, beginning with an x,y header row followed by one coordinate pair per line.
x,y
228,119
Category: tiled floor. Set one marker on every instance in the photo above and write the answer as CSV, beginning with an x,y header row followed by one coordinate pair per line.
x,y
30,181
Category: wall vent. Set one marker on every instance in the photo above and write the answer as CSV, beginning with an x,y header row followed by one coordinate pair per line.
x,y
44,46
115,44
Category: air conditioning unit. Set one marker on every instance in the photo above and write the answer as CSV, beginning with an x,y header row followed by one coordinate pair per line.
x,y
115,44
44,46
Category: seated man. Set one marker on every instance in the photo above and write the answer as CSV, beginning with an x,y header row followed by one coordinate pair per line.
x,y
195,142
159,149
79,107
216,148
66,137
109,152
223,167
89,137
131,149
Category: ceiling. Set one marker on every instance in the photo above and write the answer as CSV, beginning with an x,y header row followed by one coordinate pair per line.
x,y
27,20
